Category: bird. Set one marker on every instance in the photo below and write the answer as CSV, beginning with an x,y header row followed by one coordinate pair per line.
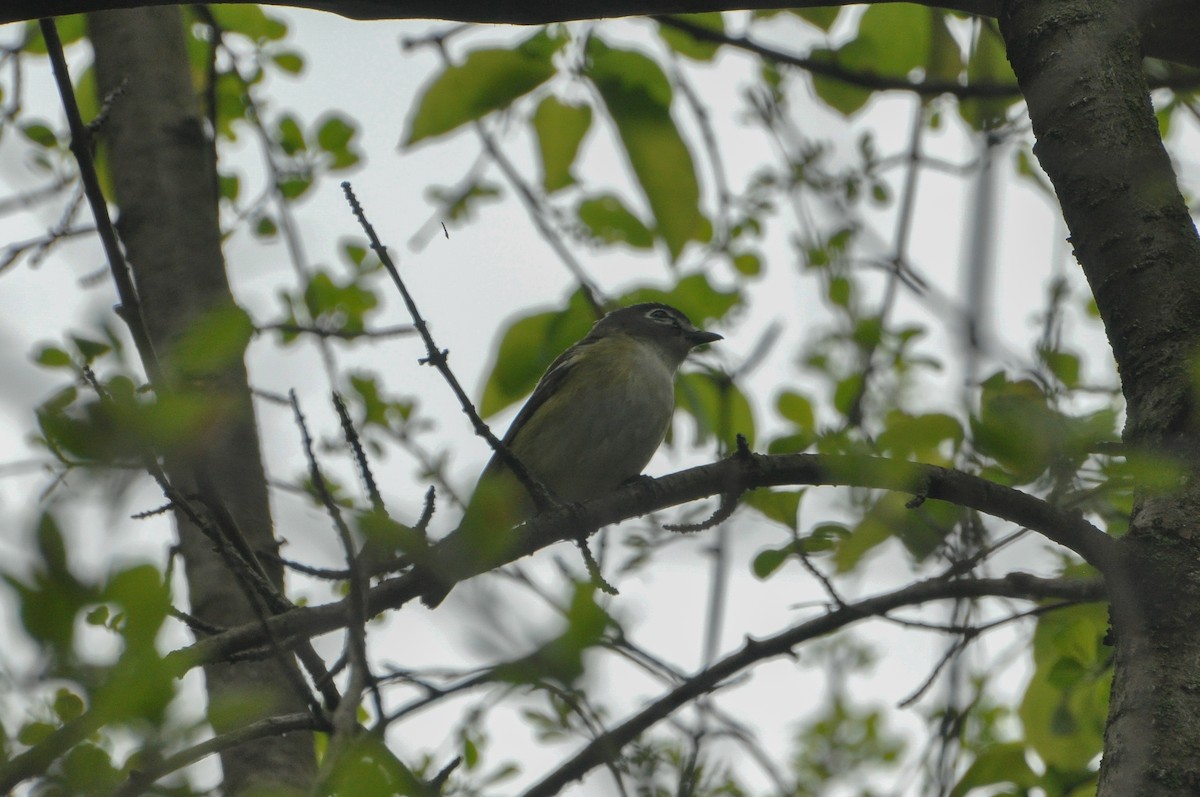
x,y
592,423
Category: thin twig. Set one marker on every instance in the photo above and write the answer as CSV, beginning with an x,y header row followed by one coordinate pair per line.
x,y
753,651
400,330
967,635
130,309
345,721
360,456
142,779
438,359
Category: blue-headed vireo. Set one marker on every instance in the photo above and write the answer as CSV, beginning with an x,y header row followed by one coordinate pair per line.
x,y
594,420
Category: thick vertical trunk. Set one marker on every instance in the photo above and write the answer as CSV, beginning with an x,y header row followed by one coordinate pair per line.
x,y
161,162
1079,65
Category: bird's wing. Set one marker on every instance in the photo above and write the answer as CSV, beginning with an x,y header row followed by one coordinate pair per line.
x,y
547,386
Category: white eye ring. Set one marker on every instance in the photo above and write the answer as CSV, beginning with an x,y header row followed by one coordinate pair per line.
x,y
661,316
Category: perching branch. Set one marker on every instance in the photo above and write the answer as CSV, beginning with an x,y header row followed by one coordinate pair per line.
x,y
1066,528
740,472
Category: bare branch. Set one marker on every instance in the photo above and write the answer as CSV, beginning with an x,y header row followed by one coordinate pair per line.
x,y
649,495
140,780
602,749
438,359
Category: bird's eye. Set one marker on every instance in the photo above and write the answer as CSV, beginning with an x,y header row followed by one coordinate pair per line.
x,y
661,316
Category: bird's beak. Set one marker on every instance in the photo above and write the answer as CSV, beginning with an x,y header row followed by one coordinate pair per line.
x,y
699,337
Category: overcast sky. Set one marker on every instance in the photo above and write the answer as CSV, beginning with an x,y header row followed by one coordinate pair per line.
x,y
468,286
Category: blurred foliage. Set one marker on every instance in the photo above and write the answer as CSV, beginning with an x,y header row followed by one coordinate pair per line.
x,y
856,382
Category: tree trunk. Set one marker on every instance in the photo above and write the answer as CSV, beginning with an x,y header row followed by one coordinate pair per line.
x,y
1079,65
163,174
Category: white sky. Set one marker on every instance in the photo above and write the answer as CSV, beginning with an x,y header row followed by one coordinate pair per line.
x,y
467,287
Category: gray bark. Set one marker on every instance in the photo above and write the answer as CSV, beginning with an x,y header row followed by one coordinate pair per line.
x,y
1079,65
161,162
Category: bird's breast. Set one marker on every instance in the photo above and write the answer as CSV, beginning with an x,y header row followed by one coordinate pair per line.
x,y
605,423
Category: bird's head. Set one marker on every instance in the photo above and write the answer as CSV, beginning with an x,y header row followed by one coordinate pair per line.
x,y
659,325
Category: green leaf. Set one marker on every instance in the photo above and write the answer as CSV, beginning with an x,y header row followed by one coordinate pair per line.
x,y
250,21
89,350
40,134
945,56
486,81
694,295
32,733
560,129
229,186
528,347
1064,366
51,546
335,133
561,659
141,685
70,28
1064,717
921,529
689,46
988,65
461,203
893,39
796,408
823,18
840,291
845,98
1018,428
846,392
53,357
1003,763
289,135
88,769
339,305
768,561
718,407
87,95
638,98
470,753
143,595
229,93
367,768
212,342
53,597
780,506
748,264
289,61
265,227
609,221
791,443
919,437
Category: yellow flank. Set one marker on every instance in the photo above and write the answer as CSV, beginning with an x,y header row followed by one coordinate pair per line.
x,y
600,427
608,418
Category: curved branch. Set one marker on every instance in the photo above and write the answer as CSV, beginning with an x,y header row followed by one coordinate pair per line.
x,y
454,559
1170,27
604,748
831,69
528,12
738,473
874,80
